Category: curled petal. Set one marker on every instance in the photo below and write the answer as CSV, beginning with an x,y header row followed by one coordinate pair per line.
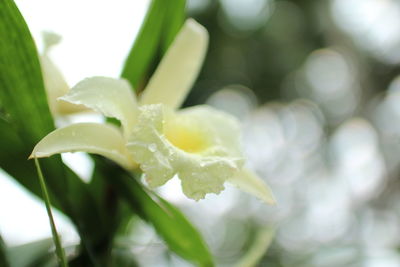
x,y
250,183
112,97
54,81
201,173
50,39
179,67
56,87
95,138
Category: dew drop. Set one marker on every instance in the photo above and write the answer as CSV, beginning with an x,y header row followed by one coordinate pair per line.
x,y
153,147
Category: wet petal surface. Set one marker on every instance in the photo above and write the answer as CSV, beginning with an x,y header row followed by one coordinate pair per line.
x,y
112,97
101,139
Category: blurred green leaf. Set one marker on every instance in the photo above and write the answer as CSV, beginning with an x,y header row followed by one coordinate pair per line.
x,y
30,254
25,119
22,90
179,234
144,49
174,20
123,257
3,254
13,158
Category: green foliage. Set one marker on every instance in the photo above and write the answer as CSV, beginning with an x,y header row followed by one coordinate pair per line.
x,y
123,259
174,20
22,89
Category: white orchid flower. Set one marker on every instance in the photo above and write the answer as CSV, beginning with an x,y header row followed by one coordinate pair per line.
x,y
198,144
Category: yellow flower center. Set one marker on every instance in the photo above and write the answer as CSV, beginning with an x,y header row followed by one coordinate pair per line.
x,y
186,135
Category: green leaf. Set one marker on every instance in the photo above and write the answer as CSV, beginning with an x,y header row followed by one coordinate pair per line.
x,y
25,119
123,257
3,254
179,234
173,21
144,49
20,73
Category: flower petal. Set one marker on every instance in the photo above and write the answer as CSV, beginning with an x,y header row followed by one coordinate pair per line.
x,y
203,175
160,160
149,148
222,128
101,139
179,68
50,39
54,81
112,97
250,183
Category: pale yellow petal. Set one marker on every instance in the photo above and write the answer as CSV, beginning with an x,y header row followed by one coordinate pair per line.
x,y
201,175
95,138
149,148
54,81
56,86
112,97
179,68
250,183
221,128
50,39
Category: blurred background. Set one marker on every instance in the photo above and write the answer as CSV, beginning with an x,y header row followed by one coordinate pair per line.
x,y
316,86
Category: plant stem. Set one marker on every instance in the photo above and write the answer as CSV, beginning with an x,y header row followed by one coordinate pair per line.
x,y
59,250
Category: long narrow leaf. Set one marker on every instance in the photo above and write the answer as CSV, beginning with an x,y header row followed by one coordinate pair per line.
x,y
20,73
59,249
145,47
173,21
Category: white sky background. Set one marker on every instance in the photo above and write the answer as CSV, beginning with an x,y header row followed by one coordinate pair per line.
x,y
97,36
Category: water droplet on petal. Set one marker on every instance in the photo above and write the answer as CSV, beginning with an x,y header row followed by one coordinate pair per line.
x,y
153,147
